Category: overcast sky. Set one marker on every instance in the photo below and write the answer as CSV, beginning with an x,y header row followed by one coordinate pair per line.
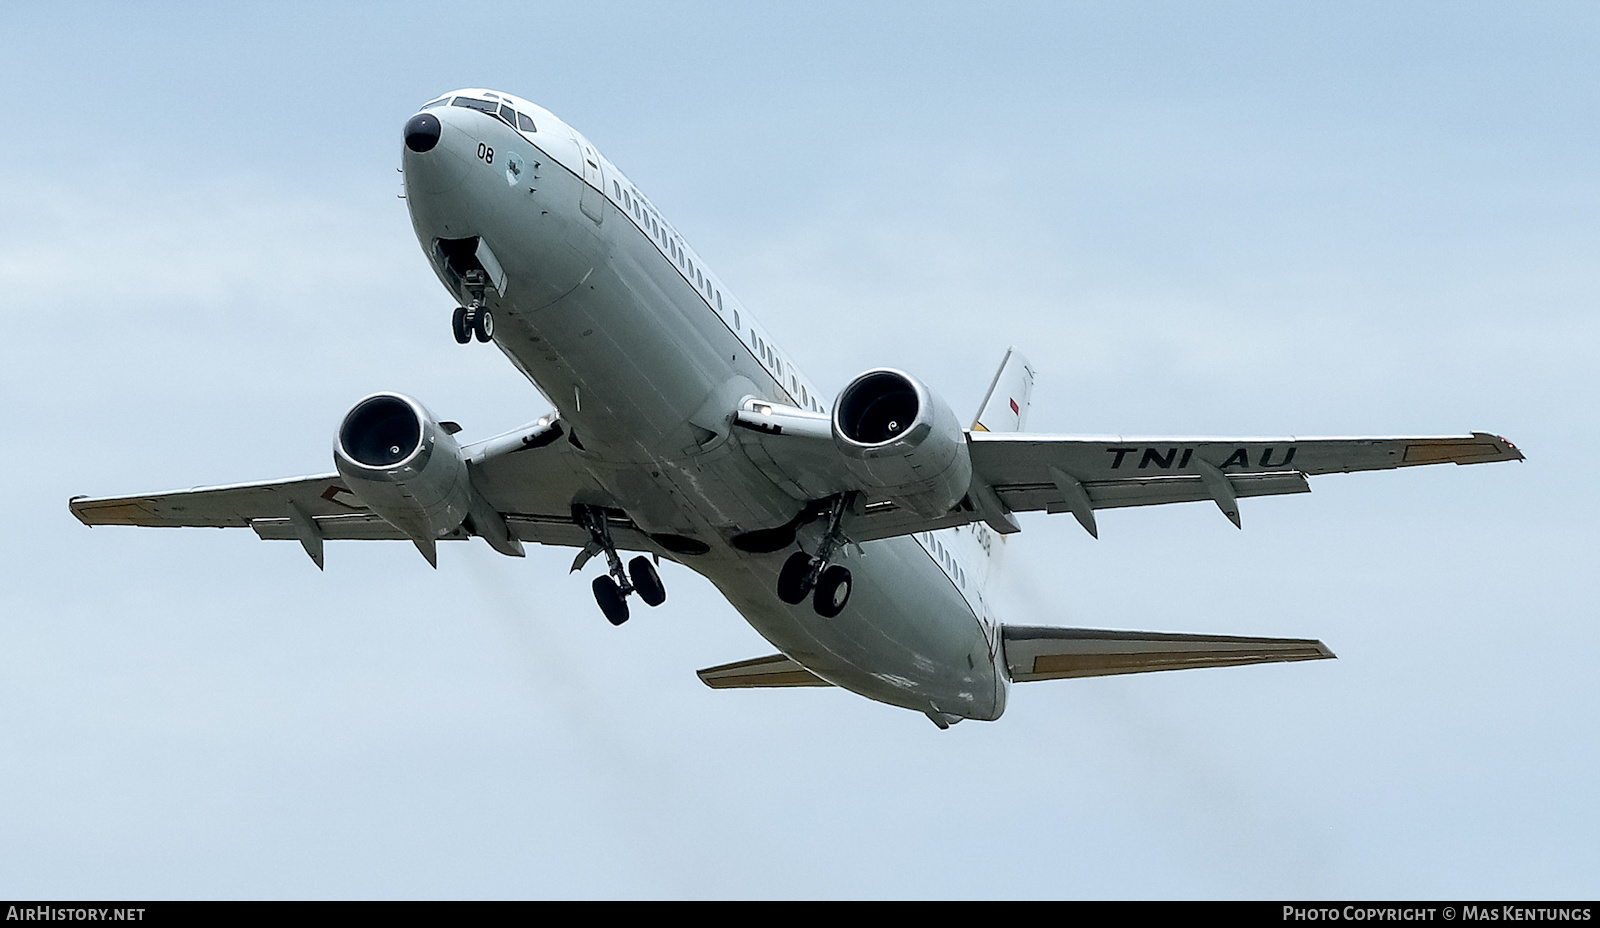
x,y
1231,219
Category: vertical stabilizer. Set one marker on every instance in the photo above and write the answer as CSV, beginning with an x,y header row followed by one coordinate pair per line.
x,y
1005,407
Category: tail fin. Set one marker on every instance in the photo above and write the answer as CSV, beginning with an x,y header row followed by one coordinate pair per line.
x,y
1004,409
1005,406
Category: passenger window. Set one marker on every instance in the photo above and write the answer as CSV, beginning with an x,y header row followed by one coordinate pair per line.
x,y
617,188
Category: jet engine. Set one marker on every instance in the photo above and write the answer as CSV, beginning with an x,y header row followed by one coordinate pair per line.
x,y
405,466
903,441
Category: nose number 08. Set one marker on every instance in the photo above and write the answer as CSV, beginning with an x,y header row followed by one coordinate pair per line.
x,y
485,153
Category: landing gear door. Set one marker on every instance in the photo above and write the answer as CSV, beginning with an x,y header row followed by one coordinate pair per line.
x,y
593,199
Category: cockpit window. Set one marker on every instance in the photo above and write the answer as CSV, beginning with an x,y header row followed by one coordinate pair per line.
x,y
482,106
439,102
524,123
508,114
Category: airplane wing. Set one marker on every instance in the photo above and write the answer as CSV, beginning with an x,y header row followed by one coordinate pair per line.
x,y
1080,475
262,505
1022,472
526,475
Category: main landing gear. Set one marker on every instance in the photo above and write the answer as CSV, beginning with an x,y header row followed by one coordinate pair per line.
x,y
802,573
611,591
474,319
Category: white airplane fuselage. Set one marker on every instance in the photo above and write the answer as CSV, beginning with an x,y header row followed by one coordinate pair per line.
x,y
645,354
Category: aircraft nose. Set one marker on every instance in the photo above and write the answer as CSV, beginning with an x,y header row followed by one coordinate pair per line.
x,y
422,132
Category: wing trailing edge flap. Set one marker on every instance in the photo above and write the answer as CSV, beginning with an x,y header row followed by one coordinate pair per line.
x,y
1035,653
775,670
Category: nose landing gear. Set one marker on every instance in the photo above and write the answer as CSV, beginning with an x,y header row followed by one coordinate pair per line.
x,y
611,591
474,319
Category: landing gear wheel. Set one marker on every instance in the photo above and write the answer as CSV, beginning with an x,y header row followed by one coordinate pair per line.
x,y
483,325
460,327
833,591
646,582
609,596
792,586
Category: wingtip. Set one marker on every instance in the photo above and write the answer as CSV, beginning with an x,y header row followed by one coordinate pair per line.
x,y
1506,445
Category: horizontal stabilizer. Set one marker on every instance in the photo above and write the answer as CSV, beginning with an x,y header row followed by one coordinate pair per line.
x,y
1034,653
776,670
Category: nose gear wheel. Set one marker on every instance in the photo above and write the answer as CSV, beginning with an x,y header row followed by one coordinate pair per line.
x,y
473,320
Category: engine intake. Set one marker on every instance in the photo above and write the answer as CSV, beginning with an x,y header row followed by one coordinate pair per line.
x,y
399,461
381,431
903,441
877,407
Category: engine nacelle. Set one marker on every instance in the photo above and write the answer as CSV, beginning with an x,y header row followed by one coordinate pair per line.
x,y
399,461
902,440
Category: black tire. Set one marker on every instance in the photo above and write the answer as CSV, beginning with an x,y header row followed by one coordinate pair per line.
x,y
483,326
609,596
646,582
833,591
792,578
459,327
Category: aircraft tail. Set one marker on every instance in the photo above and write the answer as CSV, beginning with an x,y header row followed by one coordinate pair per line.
x,y
1005,406
1004,409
